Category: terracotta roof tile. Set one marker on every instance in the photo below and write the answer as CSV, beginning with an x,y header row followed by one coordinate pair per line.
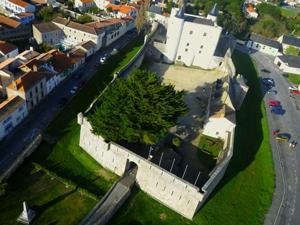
x,y
27,81
19,3
10,105
86,1
46,27
8,22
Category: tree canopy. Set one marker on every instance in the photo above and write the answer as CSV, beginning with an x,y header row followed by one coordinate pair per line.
x,y
137,109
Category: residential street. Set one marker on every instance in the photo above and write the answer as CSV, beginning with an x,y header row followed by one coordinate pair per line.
x,y
45,112
285,207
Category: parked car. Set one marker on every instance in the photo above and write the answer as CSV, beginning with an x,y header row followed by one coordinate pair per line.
x,y
265,71
277,110
271,91
282,137
296,92
293,88
73,90
272,102
114,51
268,82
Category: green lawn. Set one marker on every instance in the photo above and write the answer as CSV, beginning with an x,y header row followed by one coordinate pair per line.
x,y
52,201
288,13
292,51
245,193
294,78
55,203
210,145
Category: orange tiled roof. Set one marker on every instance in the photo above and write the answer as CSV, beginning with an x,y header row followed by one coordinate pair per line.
x,y
26,81
19,3
8,22
250,8
121,8
86,1
6,47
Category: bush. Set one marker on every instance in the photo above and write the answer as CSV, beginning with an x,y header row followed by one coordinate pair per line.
x,y
176,142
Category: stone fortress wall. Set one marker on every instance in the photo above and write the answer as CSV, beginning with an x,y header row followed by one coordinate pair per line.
x,y
167,188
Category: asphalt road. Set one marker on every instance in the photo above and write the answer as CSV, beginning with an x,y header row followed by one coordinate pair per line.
x,y
285,208
46,111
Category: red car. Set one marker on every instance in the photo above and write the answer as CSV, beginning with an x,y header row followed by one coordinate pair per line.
x,y
273,103
296,92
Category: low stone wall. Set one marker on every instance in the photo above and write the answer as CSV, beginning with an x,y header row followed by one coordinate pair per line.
x,y
27,152
162,185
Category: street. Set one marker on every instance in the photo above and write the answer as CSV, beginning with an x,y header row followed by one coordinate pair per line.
x,y
45,112
285,208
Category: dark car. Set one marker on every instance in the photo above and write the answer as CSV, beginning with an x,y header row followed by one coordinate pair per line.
x,y
268,82
265,71
282,137
277,110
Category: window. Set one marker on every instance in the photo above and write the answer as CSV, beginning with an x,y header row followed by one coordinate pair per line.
x,y
6,120
186,50
36,89
201,46
30,94
199,52
179,57
204,34
41,85
187,44
191,32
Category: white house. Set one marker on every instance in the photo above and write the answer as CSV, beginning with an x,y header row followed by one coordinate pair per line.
x,y
121,11
18,6
221,116
263,44
101,4
7,50
288,41
192,40
288,63
84,5
12,112
24,18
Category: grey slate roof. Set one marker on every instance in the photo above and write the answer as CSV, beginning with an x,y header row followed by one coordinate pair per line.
x,y
265,41
199,20
222,47
291,60
46,27
291,40
155,9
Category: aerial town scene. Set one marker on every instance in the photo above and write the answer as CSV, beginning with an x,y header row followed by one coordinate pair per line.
x,y
150,112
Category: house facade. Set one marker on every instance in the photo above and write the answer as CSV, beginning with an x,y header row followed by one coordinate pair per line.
x,y
192,40
47,33
7,50
18,6
24,18
263,44
288,63
84,5
12,112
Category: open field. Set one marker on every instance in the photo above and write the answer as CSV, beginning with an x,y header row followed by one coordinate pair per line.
x,y
245,193
52,201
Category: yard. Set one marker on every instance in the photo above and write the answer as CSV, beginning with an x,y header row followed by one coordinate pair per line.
x,y
66,159
53,202
210,145
245,193
294,78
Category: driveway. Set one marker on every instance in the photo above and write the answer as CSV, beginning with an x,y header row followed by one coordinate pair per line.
x,y
285,208
46,111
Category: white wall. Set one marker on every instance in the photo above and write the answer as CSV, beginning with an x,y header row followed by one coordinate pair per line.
x,y
11,121
165,187
285,68
11,54
262,48
218,127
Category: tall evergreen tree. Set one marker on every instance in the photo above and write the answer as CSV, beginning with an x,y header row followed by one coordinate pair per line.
x,y
137,109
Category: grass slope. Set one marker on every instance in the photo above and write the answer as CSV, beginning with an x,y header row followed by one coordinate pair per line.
x,y
294,78
245,193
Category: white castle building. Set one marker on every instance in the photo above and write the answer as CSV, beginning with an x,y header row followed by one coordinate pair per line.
x,y
193,40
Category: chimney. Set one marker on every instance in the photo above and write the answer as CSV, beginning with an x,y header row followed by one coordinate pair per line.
x,y
31,48
15,86
34,67
69,18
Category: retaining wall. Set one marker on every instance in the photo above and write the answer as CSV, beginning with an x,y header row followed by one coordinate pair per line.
x,y
162,185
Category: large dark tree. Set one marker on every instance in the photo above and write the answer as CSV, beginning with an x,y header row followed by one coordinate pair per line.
x,y
137,109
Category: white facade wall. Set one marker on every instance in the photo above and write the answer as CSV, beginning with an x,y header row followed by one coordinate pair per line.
x,y
101,4
11,121
197,45
17,8
83,6
116,34
165,187
52,83
175,28
11,54
285,68
262,48
75,36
